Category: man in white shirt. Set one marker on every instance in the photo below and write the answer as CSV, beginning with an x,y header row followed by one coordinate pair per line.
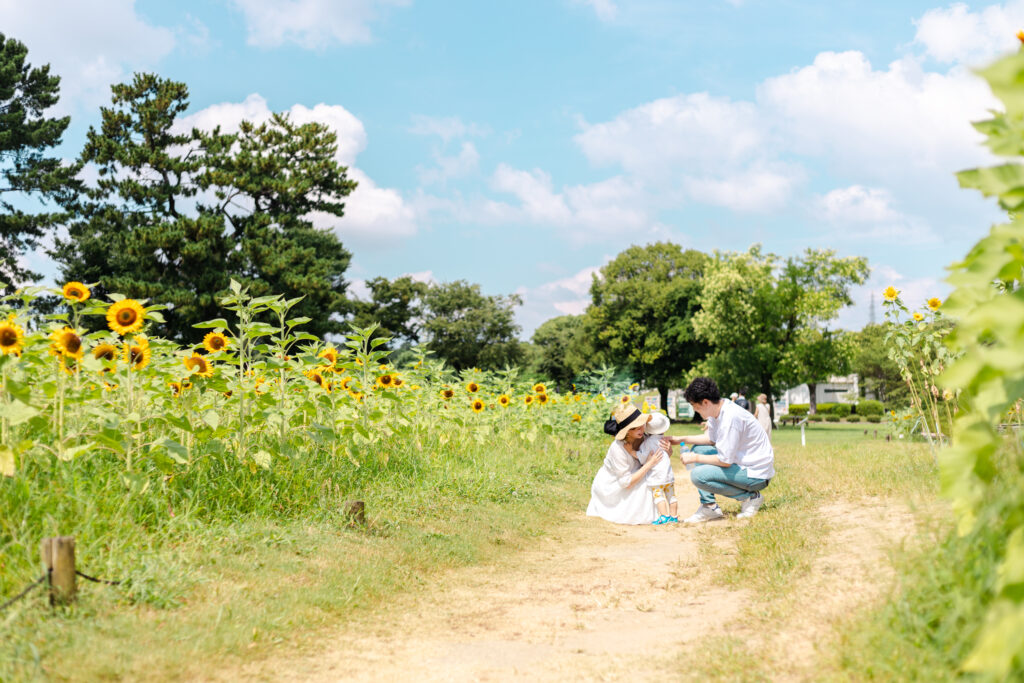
x,y
742,461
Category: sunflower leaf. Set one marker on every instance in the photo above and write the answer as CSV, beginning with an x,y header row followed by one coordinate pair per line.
x,y
17,412
219,322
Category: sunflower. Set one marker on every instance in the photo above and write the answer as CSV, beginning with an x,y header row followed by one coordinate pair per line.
x,y
11,335
415,387
934,303
345,382
540,389
215,341
504,400
447,393
478,406
357,395
316,376
472,387
200,364
330,354
68,369
397,380
624,399
175,388
576,417
75,291
137,353
385,381
542,398
634,386
890,293
66,342
105,352
1020,36
126,316
918,317
528,399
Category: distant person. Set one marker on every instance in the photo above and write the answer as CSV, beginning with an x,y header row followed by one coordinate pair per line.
x,y
763,413
660,479
742,402
744,462
618,493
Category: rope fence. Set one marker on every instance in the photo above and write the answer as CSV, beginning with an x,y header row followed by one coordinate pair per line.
x,y
58,556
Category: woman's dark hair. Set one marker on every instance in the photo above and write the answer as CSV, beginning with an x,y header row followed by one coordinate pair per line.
x,y
702,388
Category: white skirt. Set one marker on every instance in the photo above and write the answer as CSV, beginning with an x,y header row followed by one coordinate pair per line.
x,y
608,500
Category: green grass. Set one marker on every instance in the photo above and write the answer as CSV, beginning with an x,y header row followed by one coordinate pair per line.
x,y
201,593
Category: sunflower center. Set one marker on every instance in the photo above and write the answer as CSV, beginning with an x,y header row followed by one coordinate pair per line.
x,y
8,337
136,355
217,343
126,316
72,343
105,354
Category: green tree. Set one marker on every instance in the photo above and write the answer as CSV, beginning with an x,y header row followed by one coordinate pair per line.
x,y
563,350
26,172
878,373
396,305
765,317
642,312
174,216
469,329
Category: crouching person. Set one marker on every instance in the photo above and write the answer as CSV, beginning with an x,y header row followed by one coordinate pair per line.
x,y
741,463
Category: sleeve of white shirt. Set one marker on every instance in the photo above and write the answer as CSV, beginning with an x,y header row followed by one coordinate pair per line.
x,y
619,464
647,448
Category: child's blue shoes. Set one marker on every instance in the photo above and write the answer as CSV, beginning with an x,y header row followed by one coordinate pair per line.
x,y
664,519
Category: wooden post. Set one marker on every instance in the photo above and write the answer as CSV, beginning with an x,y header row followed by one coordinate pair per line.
x,y
355,510
59,559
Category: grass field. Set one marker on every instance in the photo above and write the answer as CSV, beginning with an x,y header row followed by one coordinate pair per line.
x,y
242,590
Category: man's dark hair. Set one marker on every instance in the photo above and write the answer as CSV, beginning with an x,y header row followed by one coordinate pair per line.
x,y
702,388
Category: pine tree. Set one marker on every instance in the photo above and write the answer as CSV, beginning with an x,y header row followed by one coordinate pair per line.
x,y
175,216
26,172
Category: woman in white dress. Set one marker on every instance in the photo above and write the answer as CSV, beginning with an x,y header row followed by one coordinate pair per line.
x,y
764,414
617,493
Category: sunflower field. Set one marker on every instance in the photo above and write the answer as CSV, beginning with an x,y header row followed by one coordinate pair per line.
x,y
260,418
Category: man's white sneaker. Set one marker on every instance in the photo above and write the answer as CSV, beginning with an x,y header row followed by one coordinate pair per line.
x,y
750,506
705,513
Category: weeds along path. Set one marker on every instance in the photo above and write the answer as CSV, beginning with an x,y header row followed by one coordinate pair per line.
x,y
597,601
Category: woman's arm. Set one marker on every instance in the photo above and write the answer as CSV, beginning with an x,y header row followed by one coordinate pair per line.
x,y
645,468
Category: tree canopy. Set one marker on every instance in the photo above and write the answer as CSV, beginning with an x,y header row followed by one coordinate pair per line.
x,y
470,329
175,215
766,317
27,173
642,312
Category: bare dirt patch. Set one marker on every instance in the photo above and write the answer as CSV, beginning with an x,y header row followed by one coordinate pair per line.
x,y
599,601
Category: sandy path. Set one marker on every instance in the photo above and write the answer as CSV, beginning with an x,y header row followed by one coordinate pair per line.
x,y
597,601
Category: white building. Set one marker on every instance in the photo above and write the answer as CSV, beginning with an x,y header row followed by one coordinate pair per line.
x,y
838,389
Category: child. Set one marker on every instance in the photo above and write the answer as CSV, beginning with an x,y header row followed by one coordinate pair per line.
x,y
660,479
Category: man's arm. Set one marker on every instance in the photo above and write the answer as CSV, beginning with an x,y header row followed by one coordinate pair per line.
x,y
701,458
695,440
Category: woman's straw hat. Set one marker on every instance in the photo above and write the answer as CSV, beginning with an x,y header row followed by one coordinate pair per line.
x,y
624,418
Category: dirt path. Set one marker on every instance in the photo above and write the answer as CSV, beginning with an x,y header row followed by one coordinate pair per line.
x,y
599,601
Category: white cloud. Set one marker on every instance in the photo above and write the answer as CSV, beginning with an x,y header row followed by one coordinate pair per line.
x,y
448,128
313,24
585,211
374,215
867,213
752,190
606,10
877,122
90,45
673,132
955,34
457,166
564,296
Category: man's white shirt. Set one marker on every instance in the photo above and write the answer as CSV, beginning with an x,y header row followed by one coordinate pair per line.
x,y
742,441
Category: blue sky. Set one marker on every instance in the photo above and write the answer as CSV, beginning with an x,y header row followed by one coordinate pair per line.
x,y
521,145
